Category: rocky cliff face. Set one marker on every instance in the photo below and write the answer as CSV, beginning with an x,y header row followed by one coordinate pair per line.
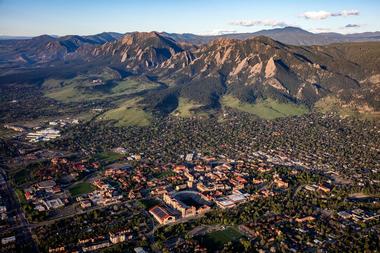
x,y
260,68
138,52
250,69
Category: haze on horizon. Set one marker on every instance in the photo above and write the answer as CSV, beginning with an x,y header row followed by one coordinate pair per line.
x,y
31,18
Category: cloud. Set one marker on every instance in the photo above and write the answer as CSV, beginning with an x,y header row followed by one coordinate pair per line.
x,y
352,26
218,32
249,23
320,15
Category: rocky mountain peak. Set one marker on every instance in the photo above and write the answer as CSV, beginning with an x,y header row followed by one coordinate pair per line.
x,y
136,37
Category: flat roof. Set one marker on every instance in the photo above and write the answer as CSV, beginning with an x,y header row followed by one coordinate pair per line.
x,y
236,197
160,212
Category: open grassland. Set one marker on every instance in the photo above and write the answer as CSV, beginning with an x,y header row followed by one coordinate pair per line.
x,y
81,88
185,107
129,86
266,109
333,104
128,113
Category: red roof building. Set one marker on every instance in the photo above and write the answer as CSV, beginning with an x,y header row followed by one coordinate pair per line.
x,y
161,215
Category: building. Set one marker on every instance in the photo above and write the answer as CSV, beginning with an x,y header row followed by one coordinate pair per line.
x,y
181,187
14,128
7,240
43,135
96,246
305,219
117,237
225,203
161,215
280,183
85,204
203,188
188,175
186,210
178,205
231,200
323,188
120,150
58,249
189,157
117,169
159,191
344,214
53,203
139,250
311,188
46,185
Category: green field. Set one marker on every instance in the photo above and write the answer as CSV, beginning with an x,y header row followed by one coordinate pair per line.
x,y
129,86
185,107
80,88
266,109
108,157
81,188
127,114
216,240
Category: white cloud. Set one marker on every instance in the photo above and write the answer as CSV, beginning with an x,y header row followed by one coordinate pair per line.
x,y
316,14
218,32
249,23
320,15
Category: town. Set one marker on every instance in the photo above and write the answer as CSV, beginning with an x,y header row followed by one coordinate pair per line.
x,y
186,200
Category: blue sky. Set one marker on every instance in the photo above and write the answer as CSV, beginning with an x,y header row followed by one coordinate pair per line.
x,y
62,17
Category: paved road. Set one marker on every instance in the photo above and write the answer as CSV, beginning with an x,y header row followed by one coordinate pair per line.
x,y
17,220
181,220
74,210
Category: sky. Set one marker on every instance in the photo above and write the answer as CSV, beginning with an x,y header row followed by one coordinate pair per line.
x,y
83,17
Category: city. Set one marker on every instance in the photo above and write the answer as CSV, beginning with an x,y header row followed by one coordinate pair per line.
x,y
192,191
189,126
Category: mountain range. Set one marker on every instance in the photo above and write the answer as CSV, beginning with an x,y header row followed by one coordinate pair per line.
x,y
41,49
287,35
204,73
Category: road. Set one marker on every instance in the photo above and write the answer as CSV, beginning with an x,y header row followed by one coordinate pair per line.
x,y
74,210
181,220
19,225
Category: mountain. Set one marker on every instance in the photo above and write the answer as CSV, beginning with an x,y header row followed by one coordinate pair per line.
x,y
287,35
8,37
260,68
136,52
46,49
243,74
